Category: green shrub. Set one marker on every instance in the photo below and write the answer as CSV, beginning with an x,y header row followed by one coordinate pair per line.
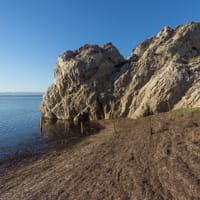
x,y
184,111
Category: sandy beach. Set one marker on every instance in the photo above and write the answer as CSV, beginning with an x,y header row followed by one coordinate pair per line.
x,y
155,157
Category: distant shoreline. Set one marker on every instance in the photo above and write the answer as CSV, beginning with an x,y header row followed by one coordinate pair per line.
x,y
21,93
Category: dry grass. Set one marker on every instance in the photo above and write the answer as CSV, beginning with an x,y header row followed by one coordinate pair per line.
x,y
193,59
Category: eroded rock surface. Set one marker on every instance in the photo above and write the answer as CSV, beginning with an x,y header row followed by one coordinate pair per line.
x,y
161,73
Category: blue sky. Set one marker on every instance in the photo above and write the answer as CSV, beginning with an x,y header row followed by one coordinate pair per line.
x,y
34,32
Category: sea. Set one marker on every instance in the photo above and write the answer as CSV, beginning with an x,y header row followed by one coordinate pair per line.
x,y
24,132
20,124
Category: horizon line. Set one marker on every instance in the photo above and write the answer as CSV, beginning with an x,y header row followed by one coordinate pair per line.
x,y
22,92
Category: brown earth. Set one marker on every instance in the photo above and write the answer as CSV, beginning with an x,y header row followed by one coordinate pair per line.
x,y
156,157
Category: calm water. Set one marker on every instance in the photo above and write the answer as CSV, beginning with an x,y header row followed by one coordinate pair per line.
x,y
19,124
20,129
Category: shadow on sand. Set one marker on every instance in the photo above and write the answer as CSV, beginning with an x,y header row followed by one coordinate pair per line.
x,y
62,133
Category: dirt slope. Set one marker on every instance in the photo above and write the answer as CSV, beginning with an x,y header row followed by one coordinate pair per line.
x,y
155,157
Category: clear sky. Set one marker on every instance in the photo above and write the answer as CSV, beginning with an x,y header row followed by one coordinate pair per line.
x,y
34,32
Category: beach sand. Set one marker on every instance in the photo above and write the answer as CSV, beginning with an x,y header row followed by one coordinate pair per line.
x,y
155,157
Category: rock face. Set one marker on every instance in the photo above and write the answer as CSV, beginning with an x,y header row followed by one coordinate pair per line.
x,y
161,73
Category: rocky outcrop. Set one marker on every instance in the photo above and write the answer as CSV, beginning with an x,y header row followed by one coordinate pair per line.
x,y
83,81
161,73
